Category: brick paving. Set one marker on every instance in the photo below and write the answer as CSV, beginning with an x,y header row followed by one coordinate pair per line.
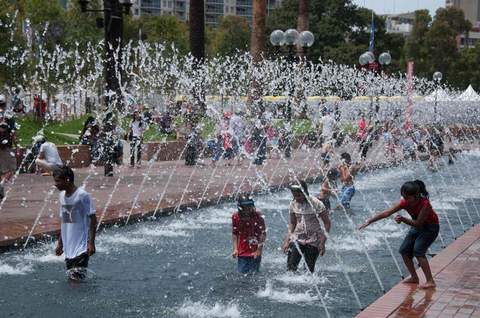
x,y
457,294
30,208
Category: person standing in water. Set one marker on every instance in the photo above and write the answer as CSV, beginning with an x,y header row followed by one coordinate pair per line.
x,y
423,232
305,237
78,223
347,172
328,187
248,235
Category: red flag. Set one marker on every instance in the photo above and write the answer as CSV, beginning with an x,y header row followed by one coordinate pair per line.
x,y
408,113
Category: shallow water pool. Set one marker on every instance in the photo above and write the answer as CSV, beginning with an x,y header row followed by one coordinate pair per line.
x,y
180,266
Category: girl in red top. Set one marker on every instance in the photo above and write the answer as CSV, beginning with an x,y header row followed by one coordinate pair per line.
x,y
424,228
248,235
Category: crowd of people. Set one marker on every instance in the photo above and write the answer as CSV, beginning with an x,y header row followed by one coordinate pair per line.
x,y
236,137
309,226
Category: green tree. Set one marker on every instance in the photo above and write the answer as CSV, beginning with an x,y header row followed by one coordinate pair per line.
x,y
232,35
433,45
441,45
415,48
466,70
48,19
441,41
341,30
165,28
12,43
82,27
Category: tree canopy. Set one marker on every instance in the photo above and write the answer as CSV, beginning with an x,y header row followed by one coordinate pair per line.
x,y
341,30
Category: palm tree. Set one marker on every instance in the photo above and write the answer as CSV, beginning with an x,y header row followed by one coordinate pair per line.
x,y
257,47
197,29
257,42
302,22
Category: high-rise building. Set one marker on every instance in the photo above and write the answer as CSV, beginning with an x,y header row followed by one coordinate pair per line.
x,y
214,9
63,3
178,8
471,9
400,23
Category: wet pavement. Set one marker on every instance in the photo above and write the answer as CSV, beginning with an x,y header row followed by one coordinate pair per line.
x,y
457,294
31,207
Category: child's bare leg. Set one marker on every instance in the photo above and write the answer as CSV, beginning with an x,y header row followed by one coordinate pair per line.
x,y
411,269
430,283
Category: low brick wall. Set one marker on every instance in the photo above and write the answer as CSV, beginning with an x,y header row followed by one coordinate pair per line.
x,y
169,150
76,156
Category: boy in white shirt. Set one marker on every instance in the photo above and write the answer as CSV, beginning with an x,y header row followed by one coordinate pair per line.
x,y
48,157
79,223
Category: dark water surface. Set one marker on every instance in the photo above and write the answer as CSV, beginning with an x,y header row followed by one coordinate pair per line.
x,y
180,266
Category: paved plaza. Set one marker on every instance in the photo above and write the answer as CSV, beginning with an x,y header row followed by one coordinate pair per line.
x,y
457,294
32,207
168,187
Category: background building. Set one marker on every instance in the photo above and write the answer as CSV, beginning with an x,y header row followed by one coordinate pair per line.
x,y
471,9
63,3
400,23
214,9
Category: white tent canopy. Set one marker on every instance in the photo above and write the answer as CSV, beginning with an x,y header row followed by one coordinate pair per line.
x,y
439,95
469,95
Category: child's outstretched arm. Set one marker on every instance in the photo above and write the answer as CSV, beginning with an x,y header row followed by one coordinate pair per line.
x,y
381,215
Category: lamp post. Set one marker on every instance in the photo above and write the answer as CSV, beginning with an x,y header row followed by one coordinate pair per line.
x,y
290,38
113,11
437,77
384,59
305,41
367,60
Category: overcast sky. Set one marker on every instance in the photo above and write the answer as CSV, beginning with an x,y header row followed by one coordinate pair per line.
x,y
400,6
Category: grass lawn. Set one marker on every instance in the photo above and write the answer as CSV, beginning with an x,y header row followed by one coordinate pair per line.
x,y
28,128
54,131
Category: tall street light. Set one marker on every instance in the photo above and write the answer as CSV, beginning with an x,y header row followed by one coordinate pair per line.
x,y
290,39
113,11
437,78
305,41
367,61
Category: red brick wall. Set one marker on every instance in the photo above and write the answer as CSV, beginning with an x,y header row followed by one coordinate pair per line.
x,y
169,150
75,156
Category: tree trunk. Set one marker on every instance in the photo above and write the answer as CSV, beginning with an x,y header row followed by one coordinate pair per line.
x,y
302,23
113,43
257,46
197,29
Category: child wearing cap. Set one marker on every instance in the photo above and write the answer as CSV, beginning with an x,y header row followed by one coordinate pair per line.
x,y
248,235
